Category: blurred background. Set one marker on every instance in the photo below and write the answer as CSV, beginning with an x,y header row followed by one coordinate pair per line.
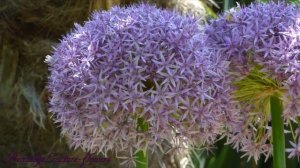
x,y
28,30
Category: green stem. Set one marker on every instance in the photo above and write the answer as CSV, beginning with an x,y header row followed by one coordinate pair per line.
x,y
142,156
228,4
277,133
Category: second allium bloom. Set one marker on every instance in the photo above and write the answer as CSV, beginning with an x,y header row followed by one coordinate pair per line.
x,y
262,43
131,63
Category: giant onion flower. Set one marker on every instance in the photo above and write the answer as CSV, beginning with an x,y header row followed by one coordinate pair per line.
x,y
132,63
262,42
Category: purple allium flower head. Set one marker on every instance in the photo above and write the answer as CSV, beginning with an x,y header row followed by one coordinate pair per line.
x,y
264,35
130,63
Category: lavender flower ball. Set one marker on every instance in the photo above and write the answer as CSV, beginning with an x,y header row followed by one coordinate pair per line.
x,y
262,35
130,63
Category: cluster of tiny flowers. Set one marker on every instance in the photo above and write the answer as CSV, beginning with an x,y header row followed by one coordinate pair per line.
x,y
265,35
131,63
295,150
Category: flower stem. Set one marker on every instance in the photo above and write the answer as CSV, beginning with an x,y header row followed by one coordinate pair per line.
x,y
228,4
142,156
278,133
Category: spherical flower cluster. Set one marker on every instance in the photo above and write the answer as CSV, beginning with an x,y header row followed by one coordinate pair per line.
x,y
262,42
131,63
